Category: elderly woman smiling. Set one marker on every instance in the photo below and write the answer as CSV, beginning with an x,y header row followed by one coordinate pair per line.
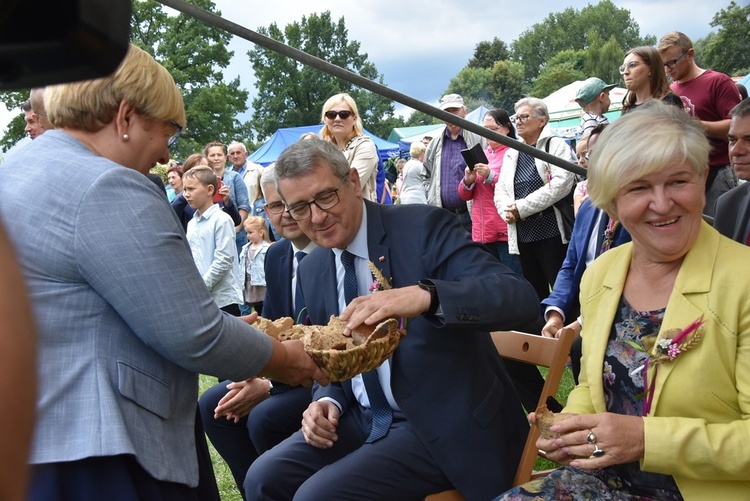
x,y
662,407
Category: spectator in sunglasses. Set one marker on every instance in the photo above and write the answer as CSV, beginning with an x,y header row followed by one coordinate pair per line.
x,y
343,127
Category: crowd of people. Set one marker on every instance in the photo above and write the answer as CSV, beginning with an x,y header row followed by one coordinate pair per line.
x,y
136,288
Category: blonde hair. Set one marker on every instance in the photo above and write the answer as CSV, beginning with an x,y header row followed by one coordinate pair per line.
x,y
260,223
358,128
92,104
416,149
204,175
675,39
641,143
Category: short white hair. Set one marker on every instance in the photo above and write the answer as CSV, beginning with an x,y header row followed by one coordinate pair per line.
x,y
237,143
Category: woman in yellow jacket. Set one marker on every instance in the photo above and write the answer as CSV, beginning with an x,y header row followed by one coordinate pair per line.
x,y
662,410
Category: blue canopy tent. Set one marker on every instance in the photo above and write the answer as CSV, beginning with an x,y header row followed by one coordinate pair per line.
x,y
271,149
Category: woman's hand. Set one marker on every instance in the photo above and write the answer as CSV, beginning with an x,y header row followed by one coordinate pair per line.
x,y
319,422
511,214
549,446
469,177
224,192
619,438
483,170
241,398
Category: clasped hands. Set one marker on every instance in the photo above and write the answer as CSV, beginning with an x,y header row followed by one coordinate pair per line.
x,y
618,437
511,214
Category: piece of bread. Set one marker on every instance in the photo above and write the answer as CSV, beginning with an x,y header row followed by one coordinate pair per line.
x,y
545,419
279,328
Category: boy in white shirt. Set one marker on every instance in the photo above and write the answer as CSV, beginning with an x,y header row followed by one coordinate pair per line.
x,y
212,241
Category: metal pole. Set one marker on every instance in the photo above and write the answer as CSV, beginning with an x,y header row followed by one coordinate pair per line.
x,y
360,81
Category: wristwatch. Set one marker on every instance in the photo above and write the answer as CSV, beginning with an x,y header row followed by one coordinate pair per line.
x,y
430,287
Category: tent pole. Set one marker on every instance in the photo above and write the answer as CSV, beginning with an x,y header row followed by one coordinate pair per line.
x,y
360,81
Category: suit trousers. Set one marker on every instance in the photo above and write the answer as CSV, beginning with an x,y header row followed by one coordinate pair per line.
x,y
398,466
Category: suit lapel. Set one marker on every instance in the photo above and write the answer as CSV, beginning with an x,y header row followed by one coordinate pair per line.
x,y
285,269
741,228
694,278
603,303
377,250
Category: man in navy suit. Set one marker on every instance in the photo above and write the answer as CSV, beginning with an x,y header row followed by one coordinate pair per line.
x,y
591,231
732,216
240,437
455,420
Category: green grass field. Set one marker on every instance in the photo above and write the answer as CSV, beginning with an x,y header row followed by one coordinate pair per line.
x,y
228,489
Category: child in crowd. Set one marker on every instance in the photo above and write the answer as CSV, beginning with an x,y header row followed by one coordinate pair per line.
x,y
210,234
252,262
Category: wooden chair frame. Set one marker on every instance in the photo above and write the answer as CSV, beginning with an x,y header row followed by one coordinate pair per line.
x,y
541,351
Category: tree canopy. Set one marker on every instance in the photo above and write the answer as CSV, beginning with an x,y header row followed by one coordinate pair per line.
x,y
728,51
195,54
292,94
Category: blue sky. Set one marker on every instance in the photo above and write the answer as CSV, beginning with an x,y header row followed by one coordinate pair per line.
x,y
419,46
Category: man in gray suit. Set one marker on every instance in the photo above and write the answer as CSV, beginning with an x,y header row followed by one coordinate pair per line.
x,y
124,320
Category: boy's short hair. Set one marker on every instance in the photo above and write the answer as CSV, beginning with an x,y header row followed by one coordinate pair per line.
x,y
205,175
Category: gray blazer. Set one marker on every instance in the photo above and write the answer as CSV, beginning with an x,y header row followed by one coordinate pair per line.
x,y
124,320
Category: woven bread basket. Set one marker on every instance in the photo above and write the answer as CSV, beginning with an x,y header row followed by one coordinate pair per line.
x,y
341,357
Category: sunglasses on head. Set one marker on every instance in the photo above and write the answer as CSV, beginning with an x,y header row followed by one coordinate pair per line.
x,y
344,114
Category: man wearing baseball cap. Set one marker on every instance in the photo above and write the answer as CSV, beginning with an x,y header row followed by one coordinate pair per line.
x,y
444,165
593,97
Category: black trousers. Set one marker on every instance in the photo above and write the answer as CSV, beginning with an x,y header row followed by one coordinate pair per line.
x,y
540,262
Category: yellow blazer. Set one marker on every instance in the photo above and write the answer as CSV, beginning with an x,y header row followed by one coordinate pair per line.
x,y
698,429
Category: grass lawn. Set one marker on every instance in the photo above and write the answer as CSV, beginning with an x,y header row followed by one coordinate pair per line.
x,y
228,489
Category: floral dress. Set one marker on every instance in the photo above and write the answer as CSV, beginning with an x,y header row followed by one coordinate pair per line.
x,y
623,393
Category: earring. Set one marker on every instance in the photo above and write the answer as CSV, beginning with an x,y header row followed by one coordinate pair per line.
x,y
125,137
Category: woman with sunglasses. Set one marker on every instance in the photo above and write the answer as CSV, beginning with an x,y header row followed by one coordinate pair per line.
x,y
343,127
645,79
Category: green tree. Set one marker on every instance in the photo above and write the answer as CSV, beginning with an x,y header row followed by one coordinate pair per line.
x,y
292,94
564,68
486,54
14,132
195,54
572,29
603,60
473,84
729,50
507,84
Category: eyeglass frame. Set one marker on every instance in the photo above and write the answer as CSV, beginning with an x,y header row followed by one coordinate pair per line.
x,y
267,207
174,137
673,62
314,201
338,114
521,119
630,65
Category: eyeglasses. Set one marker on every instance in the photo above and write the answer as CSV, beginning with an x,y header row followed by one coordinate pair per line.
x,y
274,207
521,118
325,201
492,128
174,137
671,64
629,66
332,114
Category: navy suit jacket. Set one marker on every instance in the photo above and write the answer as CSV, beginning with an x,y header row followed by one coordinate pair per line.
x,y
564,293
732,217
278,265
446,375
